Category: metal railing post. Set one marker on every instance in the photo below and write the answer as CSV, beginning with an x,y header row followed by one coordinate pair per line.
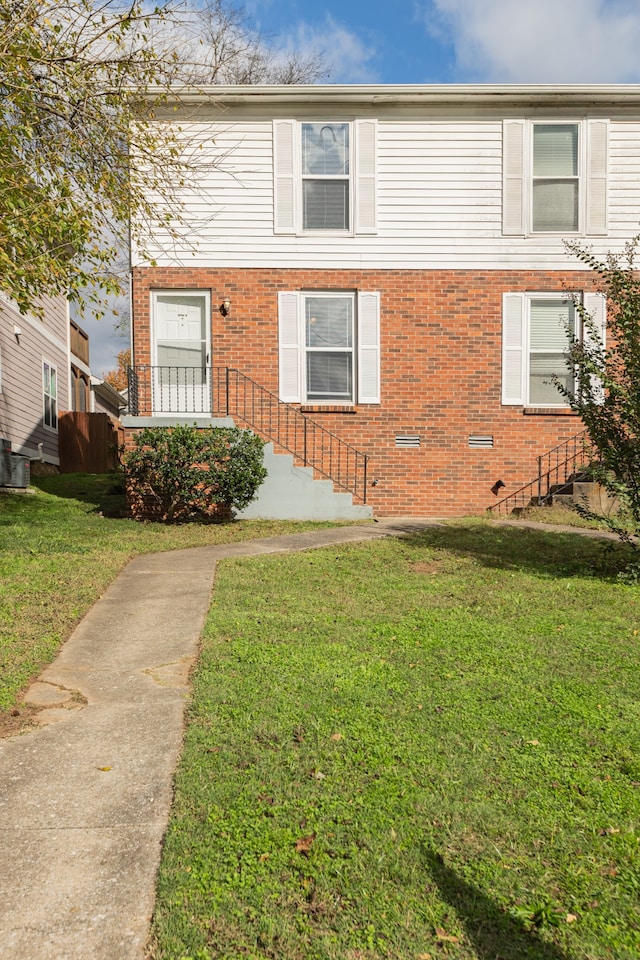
x,y
226,391
539,480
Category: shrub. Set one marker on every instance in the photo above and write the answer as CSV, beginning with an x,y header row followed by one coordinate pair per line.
x,y
184,473
607,378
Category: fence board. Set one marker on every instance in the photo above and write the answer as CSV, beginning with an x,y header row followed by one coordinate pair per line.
x,y
88,442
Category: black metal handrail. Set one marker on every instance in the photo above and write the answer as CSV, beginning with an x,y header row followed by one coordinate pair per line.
x,y
227,392
556,468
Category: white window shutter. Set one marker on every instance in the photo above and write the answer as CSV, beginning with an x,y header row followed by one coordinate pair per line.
x,y
595,305
513,348
368,348
284,176
289,346
596,177
513,178
366,216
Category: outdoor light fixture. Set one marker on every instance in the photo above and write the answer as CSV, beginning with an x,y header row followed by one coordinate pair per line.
x,y
497,486
225,307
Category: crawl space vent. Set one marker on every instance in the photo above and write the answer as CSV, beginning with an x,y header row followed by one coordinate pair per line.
x,y
479,443
404,440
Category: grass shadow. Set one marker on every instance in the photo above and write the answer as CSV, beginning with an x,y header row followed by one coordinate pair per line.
x,y
494,934
547,553
104,491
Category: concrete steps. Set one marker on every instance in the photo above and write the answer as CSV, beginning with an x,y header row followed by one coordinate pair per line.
x,y
291,492
587,493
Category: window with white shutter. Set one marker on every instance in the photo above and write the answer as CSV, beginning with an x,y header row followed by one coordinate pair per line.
x,y
537,329
329,347
555,177
325,177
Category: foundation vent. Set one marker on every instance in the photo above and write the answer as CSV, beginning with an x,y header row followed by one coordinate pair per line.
x,y
406,440
478,442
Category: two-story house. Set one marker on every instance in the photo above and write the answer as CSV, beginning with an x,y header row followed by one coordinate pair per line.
x,y
380,279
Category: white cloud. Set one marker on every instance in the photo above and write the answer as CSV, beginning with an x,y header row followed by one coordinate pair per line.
x,y
541,41
347,56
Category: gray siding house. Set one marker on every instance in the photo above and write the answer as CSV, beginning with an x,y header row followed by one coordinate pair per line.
x,y
34,377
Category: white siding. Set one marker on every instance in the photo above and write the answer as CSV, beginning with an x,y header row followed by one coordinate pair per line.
x,y
439,202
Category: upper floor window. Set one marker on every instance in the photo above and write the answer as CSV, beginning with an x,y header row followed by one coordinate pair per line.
x,y
555,186
325,176
555,177
50,395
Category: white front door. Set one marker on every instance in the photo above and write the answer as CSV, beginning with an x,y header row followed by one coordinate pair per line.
x,y
181,374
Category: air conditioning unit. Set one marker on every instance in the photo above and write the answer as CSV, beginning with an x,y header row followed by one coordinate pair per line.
x,y
20,471
15,470
5,462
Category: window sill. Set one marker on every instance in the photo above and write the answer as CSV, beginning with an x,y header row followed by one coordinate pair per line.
x,y
549,412
328,408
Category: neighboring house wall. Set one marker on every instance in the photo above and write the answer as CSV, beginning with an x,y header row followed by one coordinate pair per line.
x,y
34,377
450,265
105,399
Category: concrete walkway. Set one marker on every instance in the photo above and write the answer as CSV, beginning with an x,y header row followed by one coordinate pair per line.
x,y
85,797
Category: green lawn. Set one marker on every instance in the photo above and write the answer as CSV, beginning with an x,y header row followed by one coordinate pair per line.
x,y
412,749
60,548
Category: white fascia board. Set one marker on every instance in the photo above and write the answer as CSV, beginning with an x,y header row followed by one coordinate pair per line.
x,y
427,94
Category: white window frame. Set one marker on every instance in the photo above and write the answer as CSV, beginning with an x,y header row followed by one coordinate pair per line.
x,y
293,350
517,185
288,178
46,394
574,178
349,351
516,341
337,178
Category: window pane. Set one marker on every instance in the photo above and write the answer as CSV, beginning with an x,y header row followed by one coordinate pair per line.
x,y
52,387
325,204
325,149
549,320
555,205
541,389
46,377
329,376
329,321
555,150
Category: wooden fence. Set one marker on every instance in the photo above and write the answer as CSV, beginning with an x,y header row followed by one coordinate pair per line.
x,y
89,442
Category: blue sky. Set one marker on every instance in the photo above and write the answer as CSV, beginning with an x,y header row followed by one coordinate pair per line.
x,y
445,41
461,41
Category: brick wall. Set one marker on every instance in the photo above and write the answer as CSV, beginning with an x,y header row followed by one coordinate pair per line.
x,y
440,374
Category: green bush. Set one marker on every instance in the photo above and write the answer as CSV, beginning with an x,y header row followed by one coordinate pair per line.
x,y
607,387
183,473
